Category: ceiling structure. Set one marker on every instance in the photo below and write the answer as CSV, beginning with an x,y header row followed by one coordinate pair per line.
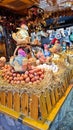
x,y
21,6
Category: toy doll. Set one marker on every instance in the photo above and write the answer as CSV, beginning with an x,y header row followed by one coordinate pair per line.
x,y
40,56
46,50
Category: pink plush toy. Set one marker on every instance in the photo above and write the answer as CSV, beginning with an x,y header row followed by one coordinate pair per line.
x,y
21,52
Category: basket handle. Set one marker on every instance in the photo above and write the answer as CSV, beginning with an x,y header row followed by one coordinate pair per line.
x,y
16,50
19,47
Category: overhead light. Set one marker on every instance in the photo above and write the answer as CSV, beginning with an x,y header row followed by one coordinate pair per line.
x,y
68,4
72,7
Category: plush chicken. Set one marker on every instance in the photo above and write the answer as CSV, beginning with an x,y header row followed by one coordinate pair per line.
x,y
21,36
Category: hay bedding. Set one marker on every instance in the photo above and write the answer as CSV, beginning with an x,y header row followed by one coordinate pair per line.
x,y
50,81
28,88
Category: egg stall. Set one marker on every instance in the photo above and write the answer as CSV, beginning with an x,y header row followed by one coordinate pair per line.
x,y
33,87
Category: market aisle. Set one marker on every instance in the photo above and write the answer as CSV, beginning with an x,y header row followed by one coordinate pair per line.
x,y
67,122
7,123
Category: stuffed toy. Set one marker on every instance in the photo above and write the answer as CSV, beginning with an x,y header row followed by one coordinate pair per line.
x,y
18,61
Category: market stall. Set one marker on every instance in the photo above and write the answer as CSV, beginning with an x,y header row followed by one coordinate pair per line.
x,y
34,80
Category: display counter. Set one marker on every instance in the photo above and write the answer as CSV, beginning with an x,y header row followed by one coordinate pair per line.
x,y
35,111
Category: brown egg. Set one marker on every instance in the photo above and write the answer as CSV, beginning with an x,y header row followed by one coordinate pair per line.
x,y
21,78
27,80
25,76
39,72
8,81
14,74
15,78
17,82
18,75
33,79
27,72
22,82
12,82
36,77
42,76
10,78
31,75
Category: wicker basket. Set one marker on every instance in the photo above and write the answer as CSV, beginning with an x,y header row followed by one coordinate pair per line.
x,y
17,67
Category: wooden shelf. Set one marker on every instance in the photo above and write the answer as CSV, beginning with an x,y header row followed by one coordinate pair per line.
x,y
2,49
